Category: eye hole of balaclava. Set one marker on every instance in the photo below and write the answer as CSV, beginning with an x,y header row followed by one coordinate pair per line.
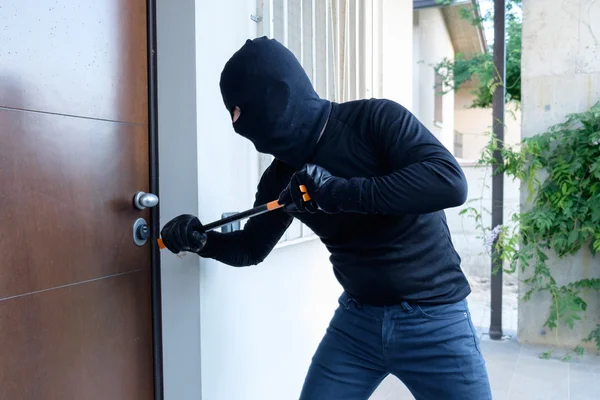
x,y
263,113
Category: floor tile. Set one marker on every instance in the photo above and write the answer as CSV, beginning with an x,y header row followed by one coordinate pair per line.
x,y
391,388
589,363
499,394
584,385
539,379
501,358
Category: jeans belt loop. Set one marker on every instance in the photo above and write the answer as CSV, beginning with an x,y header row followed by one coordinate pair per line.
x,y
357,303
349,300
346,300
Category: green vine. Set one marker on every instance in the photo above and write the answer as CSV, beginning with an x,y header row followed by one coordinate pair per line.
x,y
561,170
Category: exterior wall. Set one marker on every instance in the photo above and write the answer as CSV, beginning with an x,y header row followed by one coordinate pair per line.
x,y
178,156
229,333
475,124
431,44
561,75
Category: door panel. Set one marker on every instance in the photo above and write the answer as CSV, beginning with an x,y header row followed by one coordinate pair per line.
x,y
75,291
75,57
67,186
61,345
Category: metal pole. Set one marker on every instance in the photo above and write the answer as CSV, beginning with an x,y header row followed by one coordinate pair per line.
x,y
498,102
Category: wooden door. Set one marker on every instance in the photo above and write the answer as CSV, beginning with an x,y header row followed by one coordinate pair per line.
x,y
75,291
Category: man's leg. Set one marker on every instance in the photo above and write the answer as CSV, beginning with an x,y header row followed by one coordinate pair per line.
x,y
348,363
435,351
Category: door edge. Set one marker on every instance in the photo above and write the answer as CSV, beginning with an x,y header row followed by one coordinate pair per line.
x,y
157,348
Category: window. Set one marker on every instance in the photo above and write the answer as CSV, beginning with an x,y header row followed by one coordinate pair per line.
x,y
337,43
458,144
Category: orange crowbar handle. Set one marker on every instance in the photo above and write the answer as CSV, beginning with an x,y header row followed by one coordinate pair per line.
x,y
270,206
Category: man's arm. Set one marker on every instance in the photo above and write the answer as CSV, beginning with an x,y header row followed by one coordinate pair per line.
x,y
425,178
251,245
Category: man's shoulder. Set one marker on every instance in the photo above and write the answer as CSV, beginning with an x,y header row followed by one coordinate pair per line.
x,y
376,113
372,106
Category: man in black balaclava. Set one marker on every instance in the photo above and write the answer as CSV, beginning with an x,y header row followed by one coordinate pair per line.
x,y
379,182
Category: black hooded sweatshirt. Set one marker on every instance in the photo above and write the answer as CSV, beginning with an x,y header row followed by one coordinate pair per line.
x,y
398,246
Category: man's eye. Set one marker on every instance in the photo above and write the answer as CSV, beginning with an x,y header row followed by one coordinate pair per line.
x,y
235,115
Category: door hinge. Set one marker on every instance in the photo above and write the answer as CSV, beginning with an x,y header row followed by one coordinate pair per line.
x,y
255,18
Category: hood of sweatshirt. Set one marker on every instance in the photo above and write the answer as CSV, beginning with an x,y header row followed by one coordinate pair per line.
x,y
281,113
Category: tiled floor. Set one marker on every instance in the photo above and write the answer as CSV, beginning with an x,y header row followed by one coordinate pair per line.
x,y
516,371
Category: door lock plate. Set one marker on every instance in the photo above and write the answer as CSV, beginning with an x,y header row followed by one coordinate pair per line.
x,y
141,232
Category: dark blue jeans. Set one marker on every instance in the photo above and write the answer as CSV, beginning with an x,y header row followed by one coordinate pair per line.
x,y
433,350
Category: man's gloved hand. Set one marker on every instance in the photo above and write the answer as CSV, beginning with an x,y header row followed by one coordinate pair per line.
x,y
327,192
182,234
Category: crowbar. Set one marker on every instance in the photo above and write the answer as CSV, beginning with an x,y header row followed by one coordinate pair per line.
x,y
253,212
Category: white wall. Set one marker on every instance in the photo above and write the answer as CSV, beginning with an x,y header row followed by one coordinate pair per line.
x,y
432,44
178,193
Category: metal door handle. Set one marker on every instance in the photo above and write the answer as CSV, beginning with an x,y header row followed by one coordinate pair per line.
x,y
144,200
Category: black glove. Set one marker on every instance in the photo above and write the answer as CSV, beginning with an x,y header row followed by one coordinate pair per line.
x,y
328,193
184,233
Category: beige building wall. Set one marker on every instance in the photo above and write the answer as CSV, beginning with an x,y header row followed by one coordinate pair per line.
x,y
431,44
561,75
474,125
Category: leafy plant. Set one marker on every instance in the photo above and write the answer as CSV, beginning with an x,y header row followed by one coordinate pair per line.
x,y
593,336
457,72
561,169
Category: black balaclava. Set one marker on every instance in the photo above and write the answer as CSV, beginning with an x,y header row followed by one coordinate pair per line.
x,y
280,111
